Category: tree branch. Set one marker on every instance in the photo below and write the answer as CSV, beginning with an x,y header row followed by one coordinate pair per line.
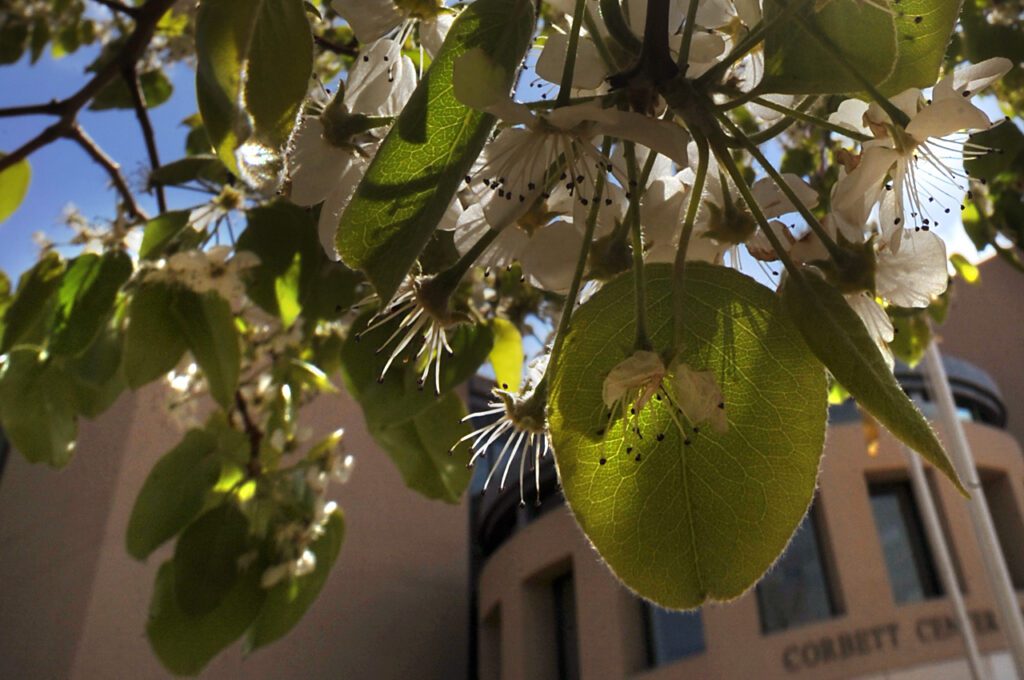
x,y
131,79
77,134
331,46
115,6
252,432
146,18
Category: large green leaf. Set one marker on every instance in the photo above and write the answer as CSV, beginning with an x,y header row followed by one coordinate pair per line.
x,y
156,89
208,326
288,601
893,48
153,341
13,187
185,644
206,558
32,304
255,59
189,169
421,448
429,149
37,409
683,517
838,338
85,299
173,493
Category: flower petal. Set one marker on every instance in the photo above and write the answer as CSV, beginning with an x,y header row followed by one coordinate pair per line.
x,y
946,116
774,202
381,81
969,80
369,19
335,202
916,274
589,72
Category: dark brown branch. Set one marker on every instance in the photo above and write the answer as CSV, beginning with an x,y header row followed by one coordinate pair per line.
x,y
349,50
131,79
254,434
115,6
146,18
77,134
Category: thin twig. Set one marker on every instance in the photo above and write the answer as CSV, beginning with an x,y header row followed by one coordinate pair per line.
x,y
254,434
348,50
51,108
131,79
79,135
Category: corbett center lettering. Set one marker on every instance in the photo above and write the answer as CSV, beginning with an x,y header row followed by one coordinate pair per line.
x,y
833,648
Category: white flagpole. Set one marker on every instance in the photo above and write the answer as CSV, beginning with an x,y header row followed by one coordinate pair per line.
x,y
1007,606
937,541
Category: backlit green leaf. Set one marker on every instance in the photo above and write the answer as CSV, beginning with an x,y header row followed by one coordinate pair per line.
x,y
208,326
255,58
95,376
161,231
173,493
37,409
85,299
893,48
153,341
839,339
684,517
429,149
32,303
288,601
13,187
507,354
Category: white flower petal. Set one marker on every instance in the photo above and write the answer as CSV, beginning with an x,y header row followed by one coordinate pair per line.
x,y
969,80
381,80
369,19
335,203
850,192
589,72
876,321
916,274
550,257
434,31
314,165
774,202
850,114
946,116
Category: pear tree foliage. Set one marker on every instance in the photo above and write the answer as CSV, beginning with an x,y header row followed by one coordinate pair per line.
x,y
708,215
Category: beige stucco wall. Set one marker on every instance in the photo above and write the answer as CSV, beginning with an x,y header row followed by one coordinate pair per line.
x,y
887,637
73,604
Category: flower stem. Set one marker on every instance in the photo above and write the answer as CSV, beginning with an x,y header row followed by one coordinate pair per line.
x,y
581,264
636,186
812,221
448,280
611,12
812,119
679,267
565,87
684,48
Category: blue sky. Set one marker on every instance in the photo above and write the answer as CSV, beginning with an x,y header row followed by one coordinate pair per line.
x,y
61,173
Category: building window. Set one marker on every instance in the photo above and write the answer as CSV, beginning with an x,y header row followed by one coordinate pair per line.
x,y
1008,522
797,589
563,591
911,569
672,635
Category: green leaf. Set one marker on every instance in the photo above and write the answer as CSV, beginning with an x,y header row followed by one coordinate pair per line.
x,y
208,326
686,517
255,59
839,339
288,601
13,187
190,169
156,89
893,49
96,378
206,558
173,493
36,409
429,149
161,231
420,448
185,644
32,304
284,237
85,299
153,341
912,334
507,354
965,269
